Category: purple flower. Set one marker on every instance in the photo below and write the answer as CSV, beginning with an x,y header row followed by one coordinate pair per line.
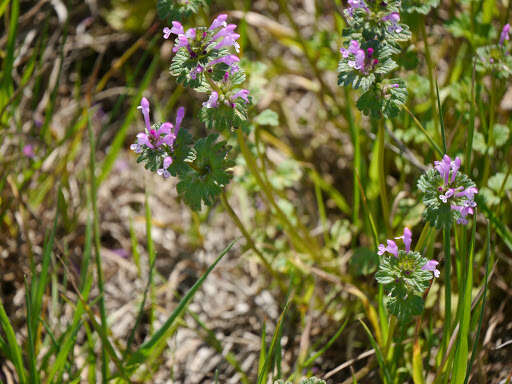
x,y
407,238
183,37
431,266
166,164
28,151
228,38
220,21
357,57
445,166
460,199
197,70
243,94
177,28
167,32
469,193
393,18
179,118
212,100
505,34
228,60
391,248
354,4
152,138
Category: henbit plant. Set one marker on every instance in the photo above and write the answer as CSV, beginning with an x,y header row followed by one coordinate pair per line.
x,y
406,275
447,193
373,37
496,58
202,61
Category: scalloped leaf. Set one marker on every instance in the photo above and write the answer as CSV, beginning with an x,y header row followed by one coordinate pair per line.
x,y
207,174
224,116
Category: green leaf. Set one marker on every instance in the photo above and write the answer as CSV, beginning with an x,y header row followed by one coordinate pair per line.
x,y
182,152
404,306
207,174
267,117
226,115
364,262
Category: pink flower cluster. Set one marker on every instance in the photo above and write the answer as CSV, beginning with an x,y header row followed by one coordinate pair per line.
x,y
505,34
449,192
359,59
155,139
200,42
392,249
355,4
393,18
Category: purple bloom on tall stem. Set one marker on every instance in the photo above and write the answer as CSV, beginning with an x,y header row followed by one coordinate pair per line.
x,y
432,267
179,118
167,32
220,21
452,194
391,247
505,34
212,100
394,18
407,238
152,138
243,94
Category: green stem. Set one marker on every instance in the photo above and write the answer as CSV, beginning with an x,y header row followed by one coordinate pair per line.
x,y
356,142
389,339
304,242
382,177
250,242
430,67
469,145
422,129
447,289
490,132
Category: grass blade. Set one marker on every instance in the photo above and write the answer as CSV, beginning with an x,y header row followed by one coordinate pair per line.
x,y
378,353
482,310
12,345
461,351
441,119
144,350
262,377
313,358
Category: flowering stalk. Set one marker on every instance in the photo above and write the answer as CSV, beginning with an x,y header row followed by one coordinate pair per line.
x,y
406,275
496,58
374,33
447,193
206,60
